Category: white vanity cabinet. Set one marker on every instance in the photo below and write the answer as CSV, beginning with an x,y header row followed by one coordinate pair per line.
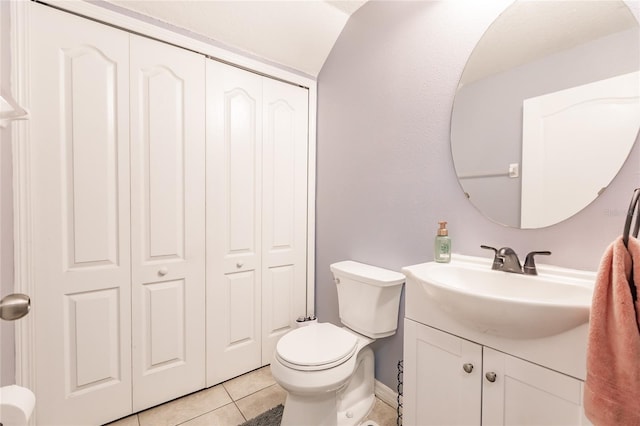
x,y
449,380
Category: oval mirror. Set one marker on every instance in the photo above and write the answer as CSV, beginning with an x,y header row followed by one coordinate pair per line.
x,y
547,109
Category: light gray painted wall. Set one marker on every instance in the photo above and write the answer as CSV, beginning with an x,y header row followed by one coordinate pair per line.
x,y
7,350
385,172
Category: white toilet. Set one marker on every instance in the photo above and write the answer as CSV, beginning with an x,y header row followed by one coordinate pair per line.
x,y
328,371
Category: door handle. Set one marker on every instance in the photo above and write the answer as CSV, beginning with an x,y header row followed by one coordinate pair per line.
x,y
14,306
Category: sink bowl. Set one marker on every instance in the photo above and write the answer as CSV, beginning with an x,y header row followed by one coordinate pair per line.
x,y
506,304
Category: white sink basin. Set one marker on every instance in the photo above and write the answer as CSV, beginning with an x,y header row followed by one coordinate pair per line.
x,y
506,304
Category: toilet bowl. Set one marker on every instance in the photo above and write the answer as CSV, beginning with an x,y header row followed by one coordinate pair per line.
x,y
328,371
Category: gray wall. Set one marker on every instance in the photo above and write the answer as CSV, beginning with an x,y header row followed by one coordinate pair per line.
x,y
385,173
7,357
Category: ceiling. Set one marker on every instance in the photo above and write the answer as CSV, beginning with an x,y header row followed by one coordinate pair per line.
x,y
530,30
297,34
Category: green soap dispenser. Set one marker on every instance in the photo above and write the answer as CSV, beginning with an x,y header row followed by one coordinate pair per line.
x,y
442,247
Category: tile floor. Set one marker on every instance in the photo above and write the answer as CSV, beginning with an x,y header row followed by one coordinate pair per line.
x,y
231,403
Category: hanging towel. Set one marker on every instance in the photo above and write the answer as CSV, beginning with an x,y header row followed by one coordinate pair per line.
x,y
612,388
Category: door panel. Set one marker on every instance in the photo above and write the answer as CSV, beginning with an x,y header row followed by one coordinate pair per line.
x,y
79,178
164,340
90,162
284,210
234,194
92,339
167,219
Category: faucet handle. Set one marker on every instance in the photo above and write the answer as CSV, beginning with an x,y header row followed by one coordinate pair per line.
x,y
530,263
495,250
497,261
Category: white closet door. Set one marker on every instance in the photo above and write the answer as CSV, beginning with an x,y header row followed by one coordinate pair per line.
x,y
284,210
80,217
234,141
167,221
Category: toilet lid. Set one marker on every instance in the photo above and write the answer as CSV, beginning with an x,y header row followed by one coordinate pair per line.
x,y
317,345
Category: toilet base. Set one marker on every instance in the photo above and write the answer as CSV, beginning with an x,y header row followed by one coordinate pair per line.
x,y
347,406
301,410
356,399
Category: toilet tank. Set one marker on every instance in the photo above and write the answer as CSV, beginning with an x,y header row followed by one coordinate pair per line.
x,y
368,297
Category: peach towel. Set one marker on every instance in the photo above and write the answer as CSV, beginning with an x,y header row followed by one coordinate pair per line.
x,y
612,388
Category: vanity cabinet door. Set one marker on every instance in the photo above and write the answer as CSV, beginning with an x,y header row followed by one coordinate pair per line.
x,y
442,378
523,393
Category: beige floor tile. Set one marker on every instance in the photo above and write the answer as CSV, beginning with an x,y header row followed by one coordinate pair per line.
x,y
229,415
127,421
185,408
383,414
261,401
249,383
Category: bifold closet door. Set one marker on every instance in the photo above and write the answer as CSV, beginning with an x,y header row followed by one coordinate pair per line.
x,y
167,221
79,177
284,210
234,194
257,149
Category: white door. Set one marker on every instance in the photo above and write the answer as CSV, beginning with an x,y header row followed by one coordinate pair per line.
x,y
284,210
596,123
442,378
234,198
527,394
80,217
167,221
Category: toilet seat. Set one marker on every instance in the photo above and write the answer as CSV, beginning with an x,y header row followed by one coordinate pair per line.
x,y
316,347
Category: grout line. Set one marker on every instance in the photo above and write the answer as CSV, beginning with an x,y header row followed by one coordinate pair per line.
x,y
240,411
233,401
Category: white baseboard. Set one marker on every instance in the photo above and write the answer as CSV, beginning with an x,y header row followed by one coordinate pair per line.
x,y
386,394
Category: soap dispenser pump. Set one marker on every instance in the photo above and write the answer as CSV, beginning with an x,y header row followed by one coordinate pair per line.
x,y
442,248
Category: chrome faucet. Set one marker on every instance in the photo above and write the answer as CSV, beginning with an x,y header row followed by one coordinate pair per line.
x,y
507,260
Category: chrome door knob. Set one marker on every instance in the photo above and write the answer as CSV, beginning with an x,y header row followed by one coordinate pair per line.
x,y
468,367
491,376
163,271
14,306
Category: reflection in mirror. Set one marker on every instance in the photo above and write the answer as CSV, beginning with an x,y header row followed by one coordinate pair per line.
x,y
547,109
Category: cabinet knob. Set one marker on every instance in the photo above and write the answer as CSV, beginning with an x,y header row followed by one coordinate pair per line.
x,y
239,265
491,376
163,271
468,367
